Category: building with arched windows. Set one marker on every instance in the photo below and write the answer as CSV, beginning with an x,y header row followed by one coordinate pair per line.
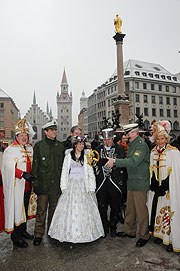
x,y
152,90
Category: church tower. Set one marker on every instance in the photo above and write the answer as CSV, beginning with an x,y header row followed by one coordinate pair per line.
x,y
83,101
64,110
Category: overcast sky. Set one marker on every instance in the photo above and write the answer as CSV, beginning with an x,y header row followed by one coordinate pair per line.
x,y
38,38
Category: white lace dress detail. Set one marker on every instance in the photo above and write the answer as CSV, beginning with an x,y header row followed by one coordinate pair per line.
x,y
76,218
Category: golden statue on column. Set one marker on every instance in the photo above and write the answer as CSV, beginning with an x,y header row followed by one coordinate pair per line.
x,y
117,24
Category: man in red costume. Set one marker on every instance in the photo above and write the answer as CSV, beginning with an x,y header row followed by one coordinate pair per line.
x,y
16,168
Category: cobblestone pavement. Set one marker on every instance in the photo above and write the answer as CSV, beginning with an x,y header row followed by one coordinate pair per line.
x,y
109,254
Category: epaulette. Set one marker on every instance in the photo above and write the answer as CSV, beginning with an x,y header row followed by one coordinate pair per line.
x,y
169,147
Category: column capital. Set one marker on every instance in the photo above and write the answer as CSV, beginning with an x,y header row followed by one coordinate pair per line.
x,y
119,37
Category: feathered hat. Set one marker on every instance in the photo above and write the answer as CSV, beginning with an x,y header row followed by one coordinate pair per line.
x,y
22,126
161,127
78,139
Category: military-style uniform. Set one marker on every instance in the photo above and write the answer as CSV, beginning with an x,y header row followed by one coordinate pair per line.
x,y
137,164
47,165
109,186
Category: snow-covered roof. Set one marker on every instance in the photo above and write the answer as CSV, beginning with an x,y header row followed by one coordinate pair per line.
x,y
146,70
3,94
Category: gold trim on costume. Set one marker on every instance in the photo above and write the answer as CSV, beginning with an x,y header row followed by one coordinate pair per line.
x,y
16,160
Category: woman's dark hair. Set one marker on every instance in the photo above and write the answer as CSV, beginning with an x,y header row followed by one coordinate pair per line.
x,y
81,158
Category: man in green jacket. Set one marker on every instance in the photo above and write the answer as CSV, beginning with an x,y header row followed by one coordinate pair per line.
x,y
137,164
47,165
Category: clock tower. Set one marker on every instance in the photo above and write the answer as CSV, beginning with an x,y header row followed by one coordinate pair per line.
x,y
64,109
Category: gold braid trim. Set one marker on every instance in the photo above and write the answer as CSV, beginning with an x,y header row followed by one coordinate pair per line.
x,y
16,160
169,147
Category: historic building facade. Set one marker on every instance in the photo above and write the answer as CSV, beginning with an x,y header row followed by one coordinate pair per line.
x,y
9,114
92,115
152,90
64,110
37,118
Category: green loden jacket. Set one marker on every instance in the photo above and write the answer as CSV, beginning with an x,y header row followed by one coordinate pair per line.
x,y
137,164
47,165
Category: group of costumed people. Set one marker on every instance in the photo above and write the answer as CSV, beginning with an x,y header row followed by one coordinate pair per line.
x,y
81,213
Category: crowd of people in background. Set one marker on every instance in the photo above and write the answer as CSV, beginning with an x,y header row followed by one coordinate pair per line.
x,y
133,180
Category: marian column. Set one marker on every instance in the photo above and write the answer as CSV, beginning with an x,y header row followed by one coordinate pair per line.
x,y
122,103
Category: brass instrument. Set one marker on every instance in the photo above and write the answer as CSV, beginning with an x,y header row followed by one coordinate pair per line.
x,y
92,158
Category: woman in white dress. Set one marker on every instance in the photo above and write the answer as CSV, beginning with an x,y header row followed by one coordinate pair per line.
x,y
76,218
164,199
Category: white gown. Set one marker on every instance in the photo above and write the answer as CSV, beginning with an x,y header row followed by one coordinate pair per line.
x,y
76,218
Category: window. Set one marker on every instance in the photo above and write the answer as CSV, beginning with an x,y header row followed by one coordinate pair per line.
x,y
161,113
175,113
152,86
1,123
137,98
160,87
154,112
111,89
137,85
61,123
67,110
137,73
160,100
1,114
174,89
1,105
167,100
61,110
168,113
174,101
138,110
126,86
127,73
153,99
176,125
145,99
167,88
145,111
12,134
144,85
108,90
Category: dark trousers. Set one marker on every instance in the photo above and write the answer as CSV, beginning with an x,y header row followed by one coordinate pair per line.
x,y
44,203
109,195
21,229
